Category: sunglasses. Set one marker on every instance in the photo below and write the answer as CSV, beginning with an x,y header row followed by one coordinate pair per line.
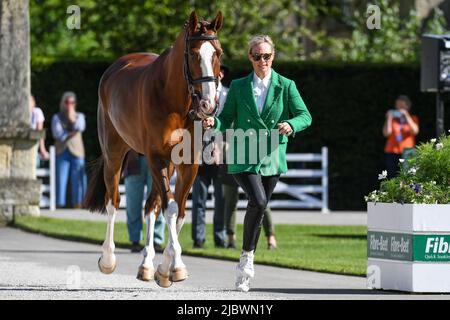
x,y
69,102
258,56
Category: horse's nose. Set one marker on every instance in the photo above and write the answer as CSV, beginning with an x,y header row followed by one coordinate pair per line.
x,y
206,106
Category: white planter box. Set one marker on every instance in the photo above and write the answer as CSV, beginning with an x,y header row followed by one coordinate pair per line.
x,y
408,247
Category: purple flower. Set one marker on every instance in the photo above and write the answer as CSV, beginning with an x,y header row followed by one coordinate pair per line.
x,y
417,188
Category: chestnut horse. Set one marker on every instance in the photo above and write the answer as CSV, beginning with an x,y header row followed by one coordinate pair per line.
x,y
143,99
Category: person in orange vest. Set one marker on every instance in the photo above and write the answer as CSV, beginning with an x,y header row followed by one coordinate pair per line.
x,y
400,129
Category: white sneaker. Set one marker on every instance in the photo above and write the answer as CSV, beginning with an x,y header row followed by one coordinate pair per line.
x,y
242,283
245,267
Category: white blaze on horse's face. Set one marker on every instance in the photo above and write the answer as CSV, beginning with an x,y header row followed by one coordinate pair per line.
x,y
208,100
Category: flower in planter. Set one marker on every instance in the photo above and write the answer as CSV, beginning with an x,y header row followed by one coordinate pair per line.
x,y
417,188
423,178
383,175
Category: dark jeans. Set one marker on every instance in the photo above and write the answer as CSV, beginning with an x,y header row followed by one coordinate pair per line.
x,y
204,178
259,190
231,195
391,161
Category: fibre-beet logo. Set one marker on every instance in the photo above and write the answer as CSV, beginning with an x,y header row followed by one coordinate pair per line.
x,y
437,245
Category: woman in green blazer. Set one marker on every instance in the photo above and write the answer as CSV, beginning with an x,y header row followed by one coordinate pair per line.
x,y
261,111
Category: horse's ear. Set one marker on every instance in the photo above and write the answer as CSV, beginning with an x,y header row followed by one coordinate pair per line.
x,y
193,21
216,24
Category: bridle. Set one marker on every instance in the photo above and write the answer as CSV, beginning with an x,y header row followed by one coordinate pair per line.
x,y
195,95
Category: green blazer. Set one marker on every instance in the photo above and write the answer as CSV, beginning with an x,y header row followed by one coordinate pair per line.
x,y
283,104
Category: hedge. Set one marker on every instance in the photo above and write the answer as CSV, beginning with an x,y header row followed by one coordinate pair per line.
x,y
348,103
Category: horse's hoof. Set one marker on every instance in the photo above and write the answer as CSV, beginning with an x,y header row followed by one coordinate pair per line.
x,y
178,274
104,269
162,280
145,273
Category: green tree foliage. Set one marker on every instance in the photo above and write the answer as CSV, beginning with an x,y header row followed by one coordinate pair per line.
x,y
397,39
110,29
302,29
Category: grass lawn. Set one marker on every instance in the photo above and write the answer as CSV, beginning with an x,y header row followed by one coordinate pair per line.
x,y
334,249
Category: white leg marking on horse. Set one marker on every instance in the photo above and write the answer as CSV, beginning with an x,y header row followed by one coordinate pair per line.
x,y
149,250
108,258
208,88
180,223
172,253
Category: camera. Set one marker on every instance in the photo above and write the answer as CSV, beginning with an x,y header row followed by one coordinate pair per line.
x,y
396,114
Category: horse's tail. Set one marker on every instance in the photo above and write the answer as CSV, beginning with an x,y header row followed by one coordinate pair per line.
x,y
94,200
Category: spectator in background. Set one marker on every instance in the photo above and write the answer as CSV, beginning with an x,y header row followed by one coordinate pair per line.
x,y
37,123
207,174
67,128
137,175
400,129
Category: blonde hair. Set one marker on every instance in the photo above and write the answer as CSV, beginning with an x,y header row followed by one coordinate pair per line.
x,y
260,38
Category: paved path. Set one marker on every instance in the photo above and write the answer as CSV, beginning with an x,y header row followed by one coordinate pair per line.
x,y
279,216
37,267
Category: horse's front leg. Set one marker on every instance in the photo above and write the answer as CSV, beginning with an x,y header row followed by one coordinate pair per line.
x,y
107,262
186,174
146,269
172,268
172,253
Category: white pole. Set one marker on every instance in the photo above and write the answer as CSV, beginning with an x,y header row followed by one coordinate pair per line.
x,y
52,179
325,180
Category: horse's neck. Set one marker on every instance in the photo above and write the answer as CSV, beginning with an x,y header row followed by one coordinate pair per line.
x,y
175,84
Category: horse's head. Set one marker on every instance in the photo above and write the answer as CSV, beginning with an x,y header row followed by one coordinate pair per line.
x,y
202,63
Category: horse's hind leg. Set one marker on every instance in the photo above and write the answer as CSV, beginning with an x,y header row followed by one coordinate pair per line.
x,y
152,210
147,269
114,150
107,261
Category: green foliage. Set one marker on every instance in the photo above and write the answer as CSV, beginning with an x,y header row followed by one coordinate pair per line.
x,y
397,40
110,29
424,178
301,29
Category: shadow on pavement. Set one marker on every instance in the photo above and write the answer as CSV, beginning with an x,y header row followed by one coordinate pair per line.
x,y
60,289
64,251
327,291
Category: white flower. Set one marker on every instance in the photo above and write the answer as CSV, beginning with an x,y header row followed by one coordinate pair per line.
x,y
433,140
401,160
412,170
439,146
383,175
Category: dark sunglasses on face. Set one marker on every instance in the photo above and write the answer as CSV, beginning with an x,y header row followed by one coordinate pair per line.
x,y
69,102
258,56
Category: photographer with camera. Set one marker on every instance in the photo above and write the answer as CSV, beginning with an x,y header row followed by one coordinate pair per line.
x,y
400,129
